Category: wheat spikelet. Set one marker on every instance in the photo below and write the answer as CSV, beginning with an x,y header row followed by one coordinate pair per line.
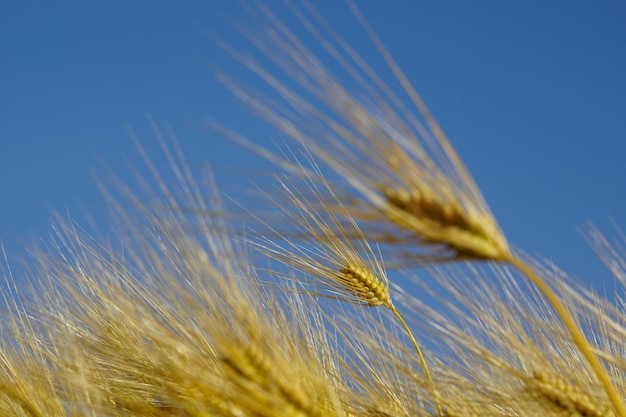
x,y
563,395
254,375
471,235
365,286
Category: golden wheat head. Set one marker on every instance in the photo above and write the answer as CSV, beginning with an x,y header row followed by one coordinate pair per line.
x,y
406,183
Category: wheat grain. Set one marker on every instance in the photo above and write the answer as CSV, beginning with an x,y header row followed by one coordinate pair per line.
x,y
365,286
565,396
443,222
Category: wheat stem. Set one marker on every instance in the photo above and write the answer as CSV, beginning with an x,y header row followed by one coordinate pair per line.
x,y
579,339
421,356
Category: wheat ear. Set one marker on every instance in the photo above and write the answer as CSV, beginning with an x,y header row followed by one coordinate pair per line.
x,y
374,292
344,268
565,396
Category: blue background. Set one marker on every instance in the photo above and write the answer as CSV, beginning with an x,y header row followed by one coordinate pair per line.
x,y
532,94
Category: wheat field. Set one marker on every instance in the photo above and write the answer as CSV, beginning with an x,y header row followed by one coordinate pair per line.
x,y
295,300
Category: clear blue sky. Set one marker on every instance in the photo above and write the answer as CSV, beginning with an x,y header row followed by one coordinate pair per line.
x,y
532,94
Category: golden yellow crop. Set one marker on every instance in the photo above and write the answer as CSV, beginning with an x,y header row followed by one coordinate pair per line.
x,y
295,314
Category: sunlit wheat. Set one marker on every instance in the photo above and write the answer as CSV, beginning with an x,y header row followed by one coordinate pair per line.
x,y
180,312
